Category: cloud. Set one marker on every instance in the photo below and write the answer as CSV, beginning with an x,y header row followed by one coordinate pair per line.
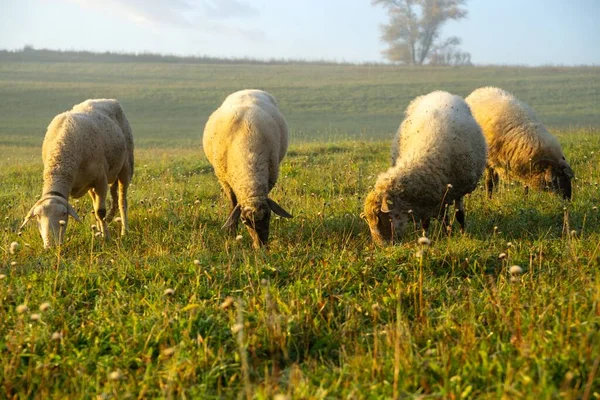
x,y
221,9
202,15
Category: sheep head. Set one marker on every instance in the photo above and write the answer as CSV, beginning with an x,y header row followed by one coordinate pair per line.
x,y
49,211
385,217
256,215
557,176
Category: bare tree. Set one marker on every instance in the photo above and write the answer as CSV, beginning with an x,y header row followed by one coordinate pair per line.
x,y
413,32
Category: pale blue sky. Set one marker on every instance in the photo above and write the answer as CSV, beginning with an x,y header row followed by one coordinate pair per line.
x,y
531,32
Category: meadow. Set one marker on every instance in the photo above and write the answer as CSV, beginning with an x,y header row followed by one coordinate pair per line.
x,y
177,309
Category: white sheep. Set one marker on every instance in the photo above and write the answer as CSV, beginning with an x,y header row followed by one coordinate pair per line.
x,y
85,149
520,147
439,156
245,140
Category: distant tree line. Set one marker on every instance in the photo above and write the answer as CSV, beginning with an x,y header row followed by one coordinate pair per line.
x,y
30,54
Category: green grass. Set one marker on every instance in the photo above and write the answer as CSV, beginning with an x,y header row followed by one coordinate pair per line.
x,y
323,312
320,102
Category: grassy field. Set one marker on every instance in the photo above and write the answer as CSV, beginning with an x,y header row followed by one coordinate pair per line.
x,y
323,313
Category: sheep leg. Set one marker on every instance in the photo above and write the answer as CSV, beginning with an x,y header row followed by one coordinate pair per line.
x,y
99,195
491,180
124,179
459,207
114,202
232,203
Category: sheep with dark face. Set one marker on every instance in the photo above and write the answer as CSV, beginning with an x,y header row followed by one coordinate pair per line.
x,y
520,147
245,140
439,155
85,149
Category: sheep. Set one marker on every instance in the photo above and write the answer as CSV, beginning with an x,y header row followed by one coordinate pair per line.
x,y
520,147
245,140
85,149
439,155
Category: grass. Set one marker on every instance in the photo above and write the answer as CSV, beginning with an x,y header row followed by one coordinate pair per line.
x,y
323,313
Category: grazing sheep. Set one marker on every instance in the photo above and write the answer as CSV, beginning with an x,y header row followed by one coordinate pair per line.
x,y
520,147
439,156
85,149
245,140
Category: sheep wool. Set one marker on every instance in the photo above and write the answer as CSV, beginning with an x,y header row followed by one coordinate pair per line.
x,y
85,149
245,140
438,156
520,147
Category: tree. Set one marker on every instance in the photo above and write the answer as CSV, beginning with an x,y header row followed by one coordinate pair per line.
x,y
413,32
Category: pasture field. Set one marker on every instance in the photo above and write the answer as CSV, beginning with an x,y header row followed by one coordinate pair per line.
x,y
322,313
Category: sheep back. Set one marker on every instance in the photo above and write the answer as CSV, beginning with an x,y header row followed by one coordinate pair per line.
x,y
245,140
517,140
93,138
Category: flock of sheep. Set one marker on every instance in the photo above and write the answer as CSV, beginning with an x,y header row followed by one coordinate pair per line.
x,y
439,155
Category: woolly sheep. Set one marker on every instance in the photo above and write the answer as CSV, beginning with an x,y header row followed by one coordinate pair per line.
x,y
520,147
245,140
439,155
85,149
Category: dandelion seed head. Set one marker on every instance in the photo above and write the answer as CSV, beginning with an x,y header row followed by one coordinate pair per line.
x,y
573,232
424,241
227,303
502,256
98,234
410,211
13,264
237,328
56,336
196,262
2,276
114,376
21,308
509,244
44,306
449,186
419,254
169,292
118,219
35,317
515,270
239,237
168,352
14,246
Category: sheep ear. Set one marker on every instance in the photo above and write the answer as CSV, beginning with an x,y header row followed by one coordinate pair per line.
x,y
385,204
233,218
29,215
277,209
71,211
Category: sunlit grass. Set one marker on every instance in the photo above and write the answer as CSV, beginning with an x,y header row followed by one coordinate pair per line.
x,y
178,308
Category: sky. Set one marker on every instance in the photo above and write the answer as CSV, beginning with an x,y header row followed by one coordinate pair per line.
x,y
524,32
